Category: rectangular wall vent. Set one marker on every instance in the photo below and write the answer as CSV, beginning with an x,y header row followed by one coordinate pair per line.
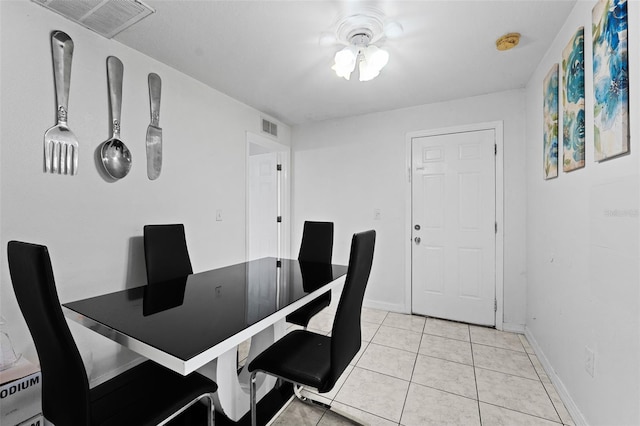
x,y
270,128
106,17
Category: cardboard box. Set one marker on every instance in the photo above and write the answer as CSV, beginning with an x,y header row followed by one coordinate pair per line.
x,y
20,395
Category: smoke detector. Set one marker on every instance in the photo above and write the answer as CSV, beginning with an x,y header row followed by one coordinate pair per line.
x,y
508,41
105,17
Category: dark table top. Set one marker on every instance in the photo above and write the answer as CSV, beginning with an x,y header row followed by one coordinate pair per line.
x,y
187,316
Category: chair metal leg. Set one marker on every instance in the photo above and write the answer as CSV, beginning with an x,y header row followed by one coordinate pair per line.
x,y
210,410
297,390
252,386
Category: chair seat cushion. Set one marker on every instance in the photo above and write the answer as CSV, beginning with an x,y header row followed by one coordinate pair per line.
x,y
146,394
303,315
301,356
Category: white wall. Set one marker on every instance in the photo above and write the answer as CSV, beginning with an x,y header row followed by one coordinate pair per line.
x,y
93,228
582,261
344,169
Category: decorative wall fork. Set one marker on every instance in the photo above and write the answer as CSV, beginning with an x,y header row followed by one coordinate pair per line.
x,y
60,144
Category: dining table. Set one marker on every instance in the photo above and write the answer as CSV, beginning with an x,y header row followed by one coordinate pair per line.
x,y
196,322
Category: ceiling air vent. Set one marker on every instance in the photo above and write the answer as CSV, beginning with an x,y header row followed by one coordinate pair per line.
x,y
106,17
270,128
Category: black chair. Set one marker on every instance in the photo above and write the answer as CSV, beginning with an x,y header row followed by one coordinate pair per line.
x,y
317,242
316,246
147,394
309,359
165,253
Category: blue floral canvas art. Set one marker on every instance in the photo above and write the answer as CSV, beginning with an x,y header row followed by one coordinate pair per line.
x,y
550,116
610,79
573,103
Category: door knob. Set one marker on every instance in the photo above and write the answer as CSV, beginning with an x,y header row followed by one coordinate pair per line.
x,y
417,240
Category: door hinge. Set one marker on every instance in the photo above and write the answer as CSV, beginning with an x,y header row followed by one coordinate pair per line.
x,y
279,167
496,227
495,305
279,219
495,149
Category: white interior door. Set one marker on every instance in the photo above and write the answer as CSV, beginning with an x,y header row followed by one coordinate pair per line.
x,y
453,268
263,205
268,196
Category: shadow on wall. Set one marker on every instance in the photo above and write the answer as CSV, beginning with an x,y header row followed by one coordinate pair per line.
x,y
136,270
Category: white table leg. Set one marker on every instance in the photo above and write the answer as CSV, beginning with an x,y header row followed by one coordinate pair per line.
x,y
232,397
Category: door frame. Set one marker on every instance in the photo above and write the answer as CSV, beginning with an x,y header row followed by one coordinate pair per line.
x,y
269,145
498,128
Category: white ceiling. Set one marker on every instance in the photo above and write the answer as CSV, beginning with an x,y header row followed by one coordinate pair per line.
x,y
266,53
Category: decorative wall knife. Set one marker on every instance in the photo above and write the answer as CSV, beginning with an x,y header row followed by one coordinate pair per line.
x,y
154,132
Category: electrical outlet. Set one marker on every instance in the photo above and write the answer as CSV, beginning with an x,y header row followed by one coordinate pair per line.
x,y
218,215
589,361
377,215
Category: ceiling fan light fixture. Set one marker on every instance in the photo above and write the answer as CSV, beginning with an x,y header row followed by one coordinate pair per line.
x,y
367,72
376,57
372,61
360,33
345,61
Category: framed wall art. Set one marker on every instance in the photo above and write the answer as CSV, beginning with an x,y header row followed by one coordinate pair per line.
x,y
550,118
610,79
573,103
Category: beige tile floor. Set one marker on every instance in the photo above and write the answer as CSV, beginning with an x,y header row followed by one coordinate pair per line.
x,y
413,370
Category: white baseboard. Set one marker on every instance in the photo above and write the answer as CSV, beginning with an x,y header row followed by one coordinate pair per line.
x,y
391,307
513,327
571,406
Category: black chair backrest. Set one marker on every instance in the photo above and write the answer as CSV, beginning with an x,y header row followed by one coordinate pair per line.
x,y
317,242
346,336
315,275
165,253
65,387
